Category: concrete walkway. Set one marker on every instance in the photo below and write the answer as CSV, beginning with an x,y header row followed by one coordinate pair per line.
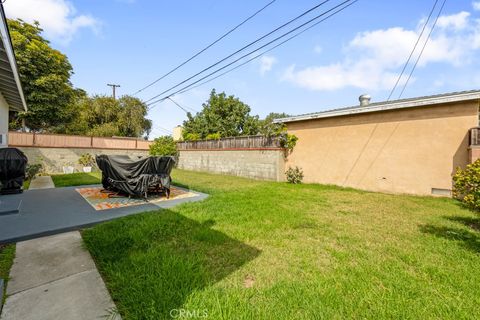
x,y
55,278
42,182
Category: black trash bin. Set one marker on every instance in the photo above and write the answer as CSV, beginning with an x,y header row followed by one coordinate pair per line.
x,y
13,164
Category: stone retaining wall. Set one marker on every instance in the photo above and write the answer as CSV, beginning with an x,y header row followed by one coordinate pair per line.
x,y
54,159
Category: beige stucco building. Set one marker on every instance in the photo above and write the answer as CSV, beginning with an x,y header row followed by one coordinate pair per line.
x,y
406,146
177,133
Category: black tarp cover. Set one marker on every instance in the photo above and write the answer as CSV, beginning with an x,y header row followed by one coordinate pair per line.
x,y
13,163
134,176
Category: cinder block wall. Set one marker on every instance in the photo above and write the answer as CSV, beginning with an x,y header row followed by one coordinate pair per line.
x,y
54,159
257,164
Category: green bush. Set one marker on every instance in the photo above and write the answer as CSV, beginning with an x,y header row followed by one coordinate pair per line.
x,y
294,175
33,170
163,146
466,185
191,137
86,160
213,136
288,141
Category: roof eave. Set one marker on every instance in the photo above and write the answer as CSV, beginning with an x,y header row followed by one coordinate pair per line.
x,y
384,107
7,43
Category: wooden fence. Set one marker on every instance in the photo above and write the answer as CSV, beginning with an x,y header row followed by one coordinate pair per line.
x,y
28,139
247,142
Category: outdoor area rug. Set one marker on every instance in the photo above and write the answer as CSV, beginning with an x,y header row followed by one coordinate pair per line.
x,y
103,200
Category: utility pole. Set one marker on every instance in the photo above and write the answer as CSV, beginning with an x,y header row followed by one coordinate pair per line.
x,y
113,88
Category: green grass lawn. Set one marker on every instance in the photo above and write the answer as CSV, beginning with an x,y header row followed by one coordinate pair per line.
x,y
266,250
76,179
7,253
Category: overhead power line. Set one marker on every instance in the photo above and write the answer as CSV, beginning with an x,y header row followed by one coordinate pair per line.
x,y
241,49
178,105
266,51
249,53
163,132
206,48
184,108
158,128
423,48
413,50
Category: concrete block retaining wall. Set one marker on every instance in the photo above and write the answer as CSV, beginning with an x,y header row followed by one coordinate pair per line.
x,y
265,164
53,159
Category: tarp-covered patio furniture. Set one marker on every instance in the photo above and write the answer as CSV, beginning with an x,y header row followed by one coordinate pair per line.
x,y
136,177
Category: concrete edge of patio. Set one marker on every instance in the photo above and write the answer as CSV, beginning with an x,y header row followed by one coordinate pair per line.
x,y
55,278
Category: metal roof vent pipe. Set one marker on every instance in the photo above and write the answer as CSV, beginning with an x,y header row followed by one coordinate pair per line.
x,y
364,100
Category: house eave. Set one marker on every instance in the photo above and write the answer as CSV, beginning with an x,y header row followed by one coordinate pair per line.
x,y
384,106
10,85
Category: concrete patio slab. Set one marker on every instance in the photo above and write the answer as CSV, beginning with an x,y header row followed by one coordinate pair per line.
x,y
10,206
73,290
42,182
52,211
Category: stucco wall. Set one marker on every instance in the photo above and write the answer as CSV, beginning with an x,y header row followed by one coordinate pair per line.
x,y
3,118
54,159
257,164
400,151
473,153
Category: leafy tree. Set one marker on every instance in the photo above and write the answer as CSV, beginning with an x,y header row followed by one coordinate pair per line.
x,y
268,128
163,146
222,114
104,116
79,95
131,119
45,75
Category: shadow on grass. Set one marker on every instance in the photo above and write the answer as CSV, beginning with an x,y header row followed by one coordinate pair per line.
x,y
154,261
473,223
468,238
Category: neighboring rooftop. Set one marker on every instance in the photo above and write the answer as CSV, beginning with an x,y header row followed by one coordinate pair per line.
x,y
388,105
10,86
